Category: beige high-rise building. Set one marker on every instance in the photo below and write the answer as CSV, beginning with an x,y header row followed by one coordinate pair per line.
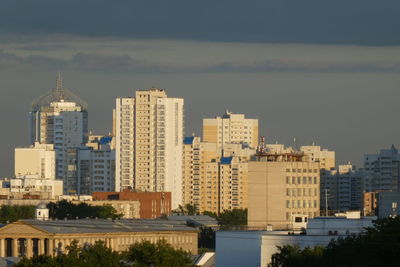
x,y
325,157
215,179
281,187
149,133
231,128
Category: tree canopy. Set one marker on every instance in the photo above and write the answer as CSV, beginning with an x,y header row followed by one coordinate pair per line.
x,y
145,253
376,246
235,217
12,213
65,209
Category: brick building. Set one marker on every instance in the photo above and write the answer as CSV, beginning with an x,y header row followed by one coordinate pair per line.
x,y
152,204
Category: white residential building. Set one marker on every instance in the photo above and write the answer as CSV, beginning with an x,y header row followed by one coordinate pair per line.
x,y
96,167
149,132
60,118
34,174
38,160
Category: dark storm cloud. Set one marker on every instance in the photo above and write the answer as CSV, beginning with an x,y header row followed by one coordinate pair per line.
x,y
364,22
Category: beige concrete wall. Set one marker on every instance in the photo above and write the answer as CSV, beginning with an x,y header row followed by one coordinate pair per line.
x,y
279,190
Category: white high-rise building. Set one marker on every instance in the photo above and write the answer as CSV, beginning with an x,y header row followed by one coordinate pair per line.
x,y
149,132
60,118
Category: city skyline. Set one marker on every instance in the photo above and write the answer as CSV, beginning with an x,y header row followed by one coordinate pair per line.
x,y
319,72
196,127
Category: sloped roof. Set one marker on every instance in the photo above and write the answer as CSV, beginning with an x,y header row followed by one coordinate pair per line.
x,y
107,226
57,94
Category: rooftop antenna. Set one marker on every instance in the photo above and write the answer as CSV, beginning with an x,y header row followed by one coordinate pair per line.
x,y
59,82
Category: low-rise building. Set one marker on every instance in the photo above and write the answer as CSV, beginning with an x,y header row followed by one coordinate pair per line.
x,y
36,237
152,204
255,248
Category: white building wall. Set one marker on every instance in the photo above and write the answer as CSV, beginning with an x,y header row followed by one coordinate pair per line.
x,y
38,160
149,136
170,165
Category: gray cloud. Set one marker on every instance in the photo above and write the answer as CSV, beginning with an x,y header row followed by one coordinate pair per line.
x,y
363,22
125,63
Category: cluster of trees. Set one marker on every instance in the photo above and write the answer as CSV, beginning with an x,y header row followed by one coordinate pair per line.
x,y
376,246
160,254
65,209
235,217
12,213
60,210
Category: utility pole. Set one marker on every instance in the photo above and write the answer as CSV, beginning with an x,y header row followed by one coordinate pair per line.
x,y
326,202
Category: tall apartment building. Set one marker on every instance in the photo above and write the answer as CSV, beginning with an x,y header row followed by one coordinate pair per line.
x,y
215,179
96,166
231,128
60,118
149,133
383,170
342,188
281,187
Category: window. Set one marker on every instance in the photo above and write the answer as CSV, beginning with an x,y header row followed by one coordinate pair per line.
x,y
298,219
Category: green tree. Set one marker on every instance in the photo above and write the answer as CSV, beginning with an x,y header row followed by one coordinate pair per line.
x,y
65,209
207,238
235,217
188,209
160,254
12,213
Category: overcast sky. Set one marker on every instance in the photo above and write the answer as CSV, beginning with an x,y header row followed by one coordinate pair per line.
x,y
319,71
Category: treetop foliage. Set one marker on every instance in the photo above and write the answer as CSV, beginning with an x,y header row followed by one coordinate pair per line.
x,y
12,213
160,254
65,209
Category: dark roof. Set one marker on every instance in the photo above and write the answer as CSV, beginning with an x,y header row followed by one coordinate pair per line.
x,y
196,220
106,226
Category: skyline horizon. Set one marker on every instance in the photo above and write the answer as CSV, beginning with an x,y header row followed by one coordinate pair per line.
x,y
292,142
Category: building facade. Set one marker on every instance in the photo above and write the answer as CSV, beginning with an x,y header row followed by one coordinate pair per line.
x,y
231,128
96,167
215,179
36,237
280,187
149,134
60,118
152,204
342,188
383,170
326,158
